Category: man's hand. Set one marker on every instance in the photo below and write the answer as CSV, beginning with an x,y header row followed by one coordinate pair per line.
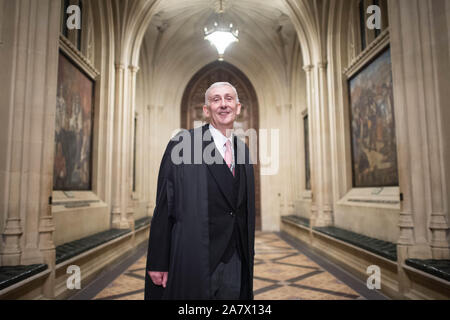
x,y
159,278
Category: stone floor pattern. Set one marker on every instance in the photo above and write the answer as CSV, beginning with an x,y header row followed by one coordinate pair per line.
x,y
281,273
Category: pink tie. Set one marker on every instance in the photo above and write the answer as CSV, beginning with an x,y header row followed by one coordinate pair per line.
x,y
228,156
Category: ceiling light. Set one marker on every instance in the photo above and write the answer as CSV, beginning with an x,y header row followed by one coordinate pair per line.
x,y
220,31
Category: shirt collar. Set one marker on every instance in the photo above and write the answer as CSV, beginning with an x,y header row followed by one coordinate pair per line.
x,y
218,137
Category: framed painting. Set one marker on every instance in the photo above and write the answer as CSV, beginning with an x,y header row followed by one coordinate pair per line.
x,y
373,140
74,128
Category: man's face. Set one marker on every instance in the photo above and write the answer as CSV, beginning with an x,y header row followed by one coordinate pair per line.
x,y
223,109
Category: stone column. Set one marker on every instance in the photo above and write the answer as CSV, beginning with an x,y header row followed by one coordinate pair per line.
x,y
292,160
311,110
120,192
46,224
286,160
147,160
131,113
29,61
325,217
420,63
156,159
439,20
298,94
296,161
321,182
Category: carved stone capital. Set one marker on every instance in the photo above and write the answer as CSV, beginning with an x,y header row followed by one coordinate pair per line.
x,y
133,69
120,66
322,65
308,68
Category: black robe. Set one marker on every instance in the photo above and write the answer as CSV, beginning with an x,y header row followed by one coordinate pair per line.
x,y
179,233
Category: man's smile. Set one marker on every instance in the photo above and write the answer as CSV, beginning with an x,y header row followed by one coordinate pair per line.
x,y
222,106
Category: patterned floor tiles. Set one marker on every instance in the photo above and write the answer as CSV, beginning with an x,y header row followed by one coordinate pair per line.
x,y
281,273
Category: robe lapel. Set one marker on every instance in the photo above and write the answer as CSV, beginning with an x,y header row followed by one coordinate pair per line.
x,y
242,182
242,174
221,173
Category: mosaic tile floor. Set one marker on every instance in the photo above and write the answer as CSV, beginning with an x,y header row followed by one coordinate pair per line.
x,y
281,273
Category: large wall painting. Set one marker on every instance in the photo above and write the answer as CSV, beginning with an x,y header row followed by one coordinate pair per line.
x,y
74,127
374,148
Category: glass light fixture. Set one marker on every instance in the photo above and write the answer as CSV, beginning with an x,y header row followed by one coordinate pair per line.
x,y
220,31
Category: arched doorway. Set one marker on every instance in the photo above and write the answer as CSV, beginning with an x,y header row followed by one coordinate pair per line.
x,y
194,99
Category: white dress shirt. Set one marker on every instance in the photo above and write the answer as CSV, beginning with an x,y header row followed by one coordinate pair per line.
x,y
220,140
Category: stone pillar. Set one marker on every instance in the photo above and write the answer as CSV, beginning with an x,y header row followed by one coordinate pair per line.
x,y
46,224
154,161
321,182
313,156
286,157
147,161
439,20
420,63
292,160
29,61
296,161
122,208
325,217
131,113
120,194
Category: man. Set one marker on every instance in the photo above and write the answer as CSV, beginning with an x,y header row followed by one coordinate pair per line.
x,y
201,243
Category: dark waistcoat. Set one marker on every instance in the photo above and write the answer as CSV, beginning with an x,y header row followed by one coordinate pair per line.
x,y
227,215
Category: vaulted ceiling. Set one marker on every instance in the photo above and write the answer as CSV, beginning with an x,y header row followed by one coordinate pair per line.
x,y
174,43
175,34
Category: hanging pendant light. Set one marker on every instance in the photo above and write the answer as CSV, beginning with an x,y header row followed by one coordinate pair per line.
x,y
220,31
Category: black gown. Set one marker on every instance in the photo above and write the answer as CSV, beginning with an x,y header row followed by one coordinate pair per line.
x,y
179,233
